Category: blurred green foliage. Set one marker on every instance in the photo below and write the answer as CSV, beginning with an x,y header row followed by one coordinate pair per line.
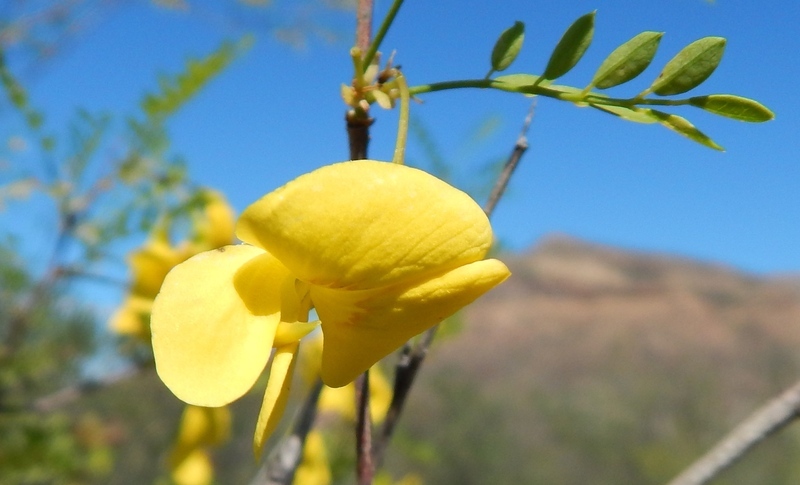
x,y
48,331
46,335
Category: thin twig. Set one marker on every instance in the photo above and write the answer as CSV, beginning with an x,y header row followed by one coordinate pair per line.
x,y
411,360
281,464
364,24
511,164
358,123
767,420
69,394
365,466
405,373
382,30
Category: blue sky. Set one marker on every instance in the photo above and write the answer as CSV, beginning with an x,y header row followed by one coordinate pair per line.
x,y
276,113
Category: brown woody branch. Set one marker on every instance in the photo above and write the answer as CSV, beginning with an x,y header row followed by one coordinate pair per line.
x,y
763,423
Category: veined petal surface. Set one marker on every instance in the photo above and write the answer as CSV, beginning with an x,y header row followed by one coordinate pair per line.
x,y
367,224
214,321
362,327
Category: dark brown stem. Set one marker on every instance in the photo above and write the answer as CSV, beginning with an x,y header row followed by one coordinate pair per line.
x,y
365,467
358,123
358,120
767,420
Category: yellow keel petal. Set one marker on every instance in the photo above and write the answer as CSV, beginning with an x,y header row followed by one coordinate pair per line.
x,y
361,328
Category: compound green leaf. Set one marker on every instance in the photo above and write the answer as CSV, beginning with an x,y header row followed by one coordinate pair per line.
x,y
736,107
175,91
508,46
684,127
628,60
571,47
690,67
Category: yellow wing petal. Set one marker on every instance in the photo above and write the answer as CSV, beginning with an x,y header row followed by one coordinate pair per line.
x,y
366,224
276,395
214,321
362,327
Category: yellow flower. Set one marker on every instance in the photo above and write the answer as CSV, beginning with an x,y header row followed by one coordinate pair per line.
x,y
381,251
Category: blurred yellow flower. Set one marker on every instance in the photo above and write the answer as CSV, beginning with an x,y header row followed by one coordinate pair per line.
x,y
381,251
200,428
314,469
384,478
195,469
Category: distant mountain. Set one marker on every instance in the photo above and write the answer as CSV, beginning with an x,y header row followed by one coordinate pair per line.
x,y
594,365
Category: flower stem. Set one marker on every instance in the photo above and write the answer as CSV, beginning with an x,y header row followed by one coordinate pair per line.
x,y
402,124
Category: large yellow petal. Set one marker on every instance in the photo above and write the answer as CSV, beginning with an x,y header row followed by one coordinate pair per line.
x,y
214,321
277,394
366,224
362,327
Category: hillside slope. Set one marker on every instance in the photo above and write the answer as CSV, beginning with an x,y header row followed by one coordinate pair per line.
x,y
597,365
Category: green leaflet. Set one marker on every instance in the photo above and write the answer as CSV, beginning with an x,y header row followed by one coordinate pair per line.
x,y
571,47
684,127
628,60
508,46
690,67
731,106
